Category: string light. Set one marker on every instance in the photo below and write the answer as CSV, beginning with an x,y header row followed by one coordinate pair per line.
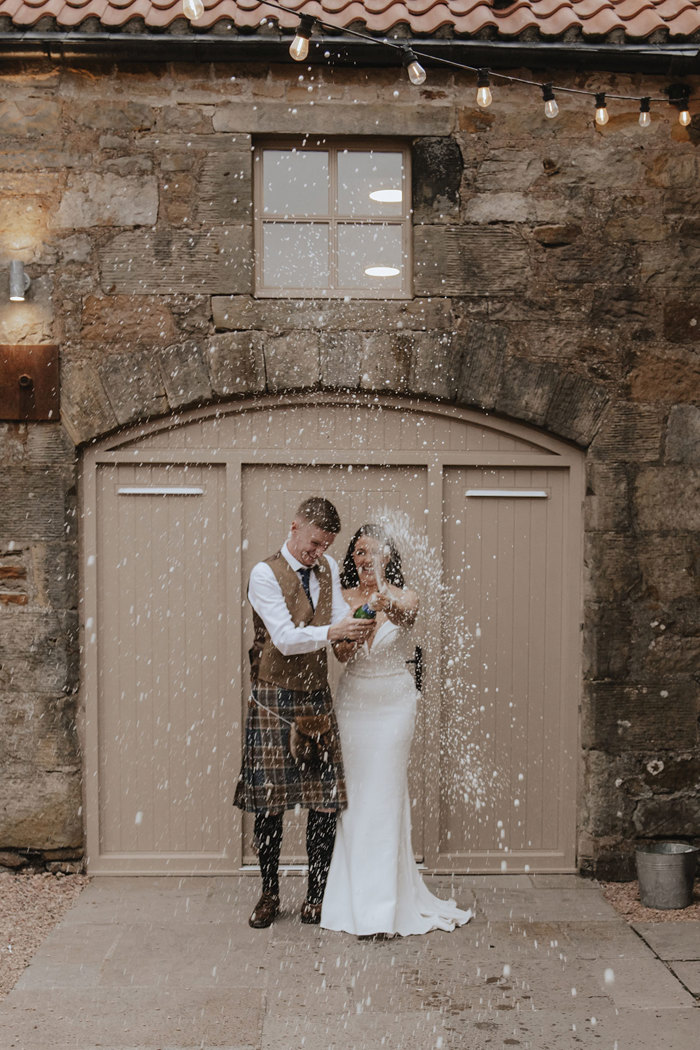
x,y
299,48
683,102
601,112
416,73
551,108
193,9
484,97
678,94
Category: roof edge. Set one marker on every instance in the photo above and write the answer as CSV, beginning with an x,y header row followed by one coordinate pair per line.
x,y
667,58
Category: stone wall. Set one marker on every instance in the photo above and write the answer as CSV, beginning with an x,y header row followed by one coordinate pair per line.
x,y
555,283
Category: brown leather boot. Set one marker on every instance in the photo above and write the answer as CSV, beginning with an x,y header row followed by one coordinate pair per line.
x,y
264,912
310,913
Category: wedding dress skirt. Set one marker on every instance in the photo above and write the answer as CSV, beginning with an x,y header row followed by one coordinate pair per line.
x,y
374,885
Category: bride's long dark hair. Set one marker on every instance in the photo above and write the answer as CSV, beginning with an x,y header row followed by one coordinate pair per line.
x,y
392,573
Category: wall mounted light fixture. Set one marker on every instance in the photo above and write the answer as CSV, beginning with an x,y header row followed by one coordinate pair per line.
x,y
19,281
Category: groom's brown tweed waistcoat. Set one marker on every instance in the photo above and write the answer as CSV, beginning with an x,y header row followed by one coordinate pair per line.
x,y
305,671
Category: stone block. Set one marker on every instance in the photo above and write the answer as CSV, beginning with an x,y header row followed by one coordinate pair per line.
x,y
335,119
434,367
127,322
667,499
34,657
224,193
177,206
386,362
216,261
238,312
468,260
108,200
667,817
341,359
134,386
122,114
236,363
499,207
85,408
683,435
41,811
577,408
292,361
607,506
556,235
436,170
657,714
29,117
184,372
613,571
681,321
670,566
526,390
664,379
33,506
481,350
630,433
606,640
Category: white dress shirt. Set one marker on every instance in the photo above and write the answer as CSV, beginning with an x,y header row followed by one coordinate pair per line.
x,y
265,595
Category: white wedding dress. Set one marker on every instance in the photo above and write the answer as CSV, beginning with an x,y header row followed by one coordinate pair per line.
x,y
374,885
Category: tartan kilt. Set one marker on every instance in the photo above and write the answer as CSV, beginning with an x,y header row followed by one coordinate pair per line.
x,y
270,779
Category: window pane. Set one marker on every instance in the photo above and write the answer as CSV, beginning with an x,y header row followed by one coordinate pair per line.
x,y
363,247
295,182
295,255
361,173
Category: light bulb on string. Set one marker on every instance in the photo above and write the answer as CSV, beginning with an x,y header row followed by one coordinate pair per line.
x,y
684,117
193,9
416,73
299,48
601,112
551,108
644,114
484,97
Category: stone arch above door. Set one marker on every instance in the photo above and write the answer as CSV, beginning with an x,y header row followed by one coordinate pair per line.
x,y
176,510
469,367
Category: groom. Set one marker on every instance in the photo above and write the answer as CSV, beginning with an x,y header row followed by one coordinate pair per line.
x,y
298,609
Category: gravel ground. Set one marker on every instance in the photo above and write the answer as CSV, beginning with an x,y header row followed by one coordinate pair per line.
x,y
31,905
624,897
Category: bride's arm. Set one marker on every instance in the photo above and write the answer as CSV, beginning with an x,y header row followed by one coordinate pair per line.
x,y
401,607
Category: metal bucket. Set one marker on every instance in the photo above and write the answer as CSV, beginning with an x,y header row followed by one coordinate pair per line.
x,y
666,872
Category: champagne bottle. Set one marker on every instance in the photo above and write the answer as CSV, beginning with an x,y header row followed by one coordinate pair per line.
x,y
365,612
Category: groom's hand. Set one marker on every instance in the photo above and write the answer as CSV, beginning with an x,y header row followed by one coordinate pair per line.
x,y
351,630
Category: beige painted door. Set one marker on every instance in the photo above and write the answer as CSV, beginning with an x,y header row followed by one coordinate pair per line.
x,y
174,516
508,733
164,705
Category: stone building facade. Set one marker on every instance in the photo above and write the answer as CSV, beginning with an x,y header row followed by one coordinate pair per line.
x,y
555,284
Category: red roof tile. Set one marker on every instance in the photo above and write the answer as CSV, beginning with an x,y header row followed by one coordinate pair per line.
x,y
638,19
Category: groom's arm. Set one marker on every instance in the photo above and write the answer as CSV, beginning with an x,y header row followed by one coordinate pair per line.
x,y
265,595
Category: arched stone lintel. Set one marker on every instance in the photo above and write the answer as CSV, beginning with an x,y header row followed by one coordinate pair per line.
x,y
476,372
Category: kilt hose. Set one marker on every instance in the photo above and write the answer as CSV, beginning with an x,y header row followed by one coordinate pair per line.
x,y
270,780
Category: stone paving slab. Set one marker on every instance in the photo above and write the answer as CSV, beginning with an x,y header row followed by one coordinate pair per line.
x,y
672,940
689,974
171,964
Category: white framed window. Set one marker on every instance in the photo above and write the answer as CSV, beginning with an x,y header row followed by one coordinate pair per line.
x,y
332,219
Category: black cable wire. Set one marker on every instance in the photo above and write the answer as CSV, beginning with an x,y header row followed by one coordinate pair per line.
x,y
438,59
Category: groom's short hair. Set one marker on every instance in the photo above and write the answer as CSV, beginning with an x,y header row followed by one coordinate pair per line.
x,y
319,512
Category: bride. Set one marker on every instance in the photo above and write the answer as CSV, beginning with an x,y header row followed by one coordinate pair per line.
x,y
374,886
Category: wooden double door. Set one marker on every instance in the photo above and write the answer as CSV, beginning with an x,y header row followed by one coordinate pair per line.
x,y
487,515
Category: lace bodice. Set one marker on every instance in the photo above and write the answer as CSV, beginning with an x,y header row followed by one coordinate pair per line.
x,y
391,647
